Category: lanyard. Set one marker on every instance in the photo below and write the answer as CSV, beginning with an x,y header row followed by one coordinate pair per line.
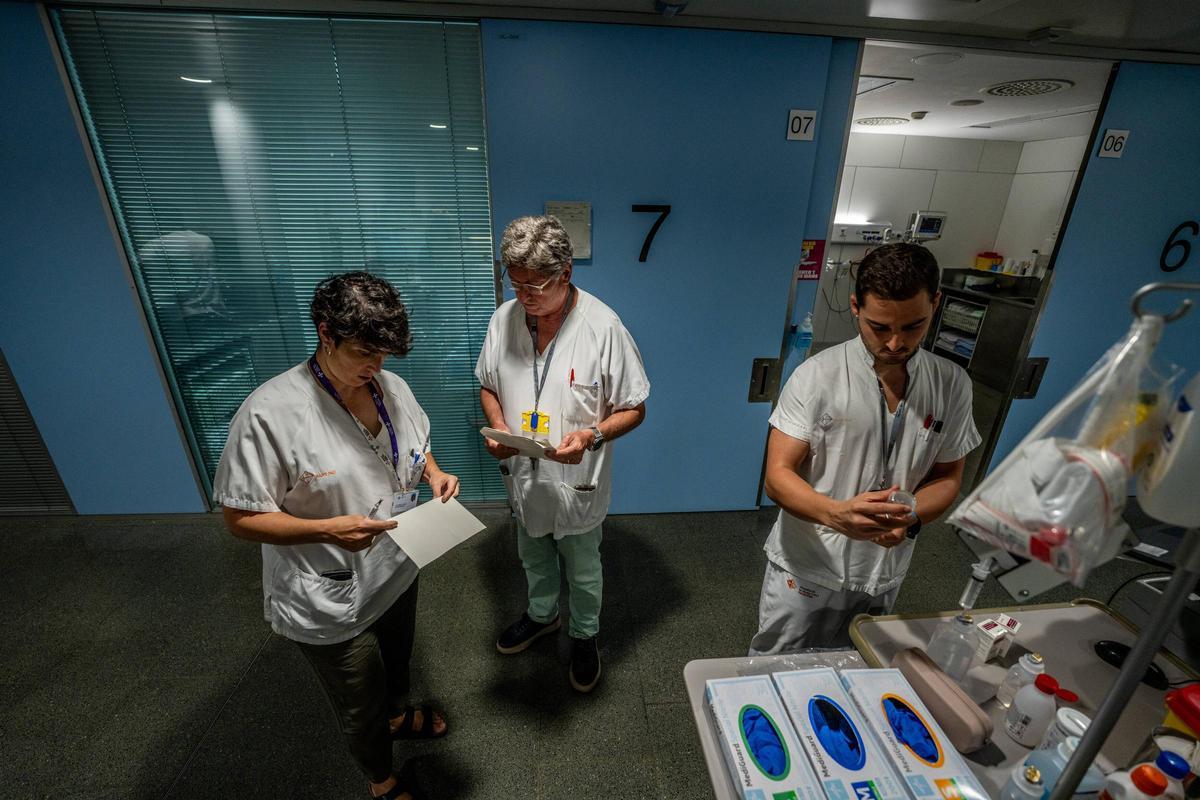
x,y
887,446
319,374
539,385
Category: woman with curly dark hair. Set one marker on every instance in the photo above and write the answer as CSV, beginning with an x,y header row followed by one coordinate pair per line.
x,y
317,460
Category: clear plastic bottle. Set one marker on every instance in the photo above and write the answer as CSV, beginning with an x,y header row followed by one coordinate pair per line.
x,y
1032,711
953,646
1023,673
1052,762
1176,768
1025,783
1142,782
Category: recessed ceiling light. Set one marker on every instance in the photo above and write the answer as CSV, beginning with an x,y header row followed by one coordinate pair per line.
x,y
936,59
437,126
195,80
1028,87
880,121
965,103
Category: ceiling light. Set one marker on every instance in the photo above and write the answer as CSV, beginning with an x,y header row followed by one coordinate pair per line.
x,y
195,80
871,83
1051,33
936,59
472,148
1028,87
965,103
880,121
437,126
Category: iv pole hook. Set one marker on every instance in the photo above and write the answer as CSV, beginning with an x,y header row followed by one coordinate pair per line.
x,y
1151,288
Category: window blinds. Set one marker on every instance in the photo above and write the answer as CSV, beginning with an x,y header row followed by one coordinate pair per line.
x,y
248,157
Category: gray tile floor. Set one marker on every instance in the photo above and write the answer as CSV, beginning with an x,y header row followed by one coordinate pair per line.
x,y
136,664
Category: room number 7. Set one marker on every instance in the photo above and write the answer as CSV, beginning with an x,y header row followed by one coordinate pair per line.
x,y
663,212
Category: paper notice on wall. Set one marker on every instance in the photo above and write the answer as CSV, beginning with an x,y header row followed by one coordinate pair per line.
x,y
812,254
576,218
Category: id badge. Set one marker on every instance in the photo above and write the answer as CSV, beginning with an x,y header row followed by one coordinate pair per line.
x,y
403,501
536,422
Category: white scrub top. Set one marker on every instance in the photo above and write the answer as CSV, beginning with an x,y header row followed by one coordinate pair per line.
x,y
293,448
593,346
831,401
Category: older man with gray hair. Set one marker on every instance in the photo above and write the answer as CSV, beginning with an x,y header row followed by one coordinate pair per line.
x,y
557,364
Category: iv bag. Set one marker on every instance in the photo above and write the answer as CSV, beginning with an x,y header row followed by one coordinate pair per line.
x,y
1058,497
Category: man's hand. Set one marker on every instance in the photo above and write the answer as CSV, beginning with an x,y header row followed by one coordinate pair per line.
x,y
571,449
495,449
355,532
443,484
868,515
891,538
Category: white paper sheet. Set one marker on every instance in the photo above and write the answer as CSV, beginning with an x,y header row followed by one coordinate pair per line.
x,y
432,529
533,448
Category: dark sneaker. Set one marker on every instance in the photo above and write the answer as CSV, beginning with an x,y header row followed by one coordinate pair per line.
x,y
585,664
524,632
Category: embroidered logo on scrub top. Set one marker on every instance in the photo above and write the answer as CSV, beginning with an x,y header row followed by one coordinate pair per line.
x,y
308,477
825,420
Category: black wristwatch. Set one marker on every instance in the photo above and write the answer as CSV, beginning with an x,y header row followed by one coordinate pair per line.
x,y
913,529
597,438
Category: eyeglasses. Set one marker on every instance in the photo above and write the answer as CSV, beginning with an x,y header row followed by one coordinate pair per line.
x,y
531,288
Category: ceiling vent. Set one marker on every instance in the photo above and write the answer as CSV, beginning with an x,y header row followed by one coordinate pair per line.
x,y
880,121
1028,88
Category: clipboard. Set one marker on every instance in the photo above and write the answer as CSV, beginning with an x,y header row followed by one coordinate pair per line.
x,y
534,448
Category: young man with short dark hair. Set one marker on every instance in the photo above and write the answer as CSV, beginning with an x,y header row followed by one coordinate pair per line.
x,y
854,424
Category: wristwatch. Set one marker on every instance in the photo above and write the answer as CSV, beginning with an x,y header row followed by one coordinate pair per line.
x,y
597,438
913,529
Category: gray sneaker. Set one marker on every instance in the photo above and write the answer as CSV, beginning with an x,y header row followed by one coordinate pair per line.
x,y
524,632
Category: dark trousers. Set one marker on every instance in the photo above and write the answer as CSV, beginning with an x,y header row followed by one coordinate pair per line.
x,y
367,680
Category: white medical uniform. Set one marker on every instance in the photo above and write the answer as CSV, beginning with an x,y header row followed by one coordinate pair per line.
x,y
832,402
593,346
293,448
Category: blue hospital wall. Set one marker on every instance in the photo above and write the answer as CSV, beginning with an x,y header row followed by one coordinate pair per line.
x,y
69,321
1125,211
617,115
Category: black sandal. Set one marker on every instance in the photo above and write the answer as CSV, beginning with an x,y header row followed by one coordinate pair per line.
x,y
426,731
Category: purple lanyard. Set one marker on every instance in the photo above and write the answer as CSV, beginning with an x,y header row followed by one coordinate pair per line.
x,y
319,374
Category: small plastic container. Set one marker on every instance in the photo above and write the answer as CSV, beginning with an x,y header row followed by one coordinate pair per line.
x,y
1183,710
1142,782
1066,722
1176,768
953,646
1025,783
1051,764
1032,711
1023,673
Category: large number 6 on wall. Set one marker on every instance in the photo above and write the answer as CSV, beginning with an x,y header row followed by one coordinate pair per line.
x,y
663,212
1174,242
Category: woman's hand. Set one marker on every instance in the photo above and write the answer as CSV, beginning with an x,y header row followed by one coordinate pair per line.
x,y
355,532
443,484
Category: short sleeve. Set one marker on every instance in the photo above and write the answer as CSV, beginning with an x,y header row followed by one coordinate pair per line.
x,y
487,366
793,414
252,474
959,434
626,384
420,419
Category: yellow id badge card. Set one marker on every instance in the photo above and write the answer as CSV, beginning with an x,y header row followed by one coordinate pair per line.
x,y
535,422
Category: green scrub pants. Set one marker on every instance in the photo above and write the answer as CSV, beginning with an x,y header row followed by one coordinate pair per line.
x,y
585,577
